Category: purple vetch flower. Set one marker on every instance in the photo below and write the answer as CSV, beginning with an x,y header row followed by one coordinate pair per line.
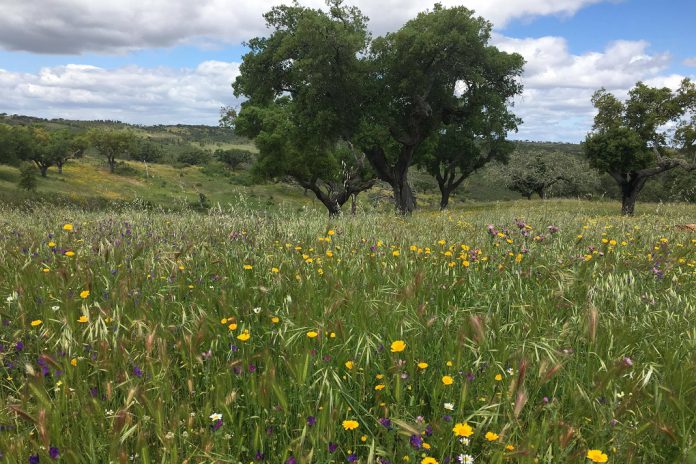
x,y
216,425
94,391
470,376
34,459
54,452
332,447
237,370
416,441
19,346
386,422
291,460
137,371
259,456
311,421
447,418
352,457
428,430
252,368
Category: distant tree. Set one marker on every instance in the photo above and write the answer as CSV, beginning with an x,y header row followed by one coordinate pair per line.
x,y
113,145
64,145
233,158
8,152
194,157
147,152
653,131
535,173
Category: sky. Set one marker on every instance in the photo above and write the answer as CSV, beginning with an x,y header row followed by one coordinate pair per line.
x,y
173,61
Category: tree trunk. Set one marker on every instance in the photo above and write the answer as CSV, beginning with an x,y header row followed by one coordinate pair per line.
x,y
404,198
354,204
59,164
444,196
43,169
629,194
112,165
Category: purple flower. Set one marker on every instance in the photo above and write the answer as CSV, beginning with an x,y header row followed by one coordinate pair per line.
x,y
447,418
34,459
260,456
332,447
234,348
386,422
137,371
252,368
428,430
553,229
19,346
352,457
383,461
291,460
311,421
53,452
216,425
628,362
416,441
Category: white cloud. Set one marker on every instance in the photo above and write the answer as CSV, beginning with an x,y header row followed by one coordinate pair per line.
x,y
119,26
690,62
558,85
131,94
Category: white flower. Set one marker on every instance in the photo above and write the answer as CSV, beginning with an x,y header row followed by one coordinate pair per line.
x,y
465,459
256,310
449,406
55,308
169,435
510,370
464,441
184,434
216,416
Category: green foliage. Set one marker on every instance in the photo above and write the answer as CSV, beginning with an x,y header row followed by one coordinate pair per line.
x,y
27,177
148,152
194,157
233,158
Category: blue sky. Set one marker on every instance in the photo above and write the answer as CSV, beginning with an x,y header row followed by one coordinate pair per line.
x,y
125,59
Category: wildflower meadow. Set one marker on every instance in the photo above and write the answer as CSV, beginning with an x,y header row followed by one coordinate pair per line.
x,y
525,332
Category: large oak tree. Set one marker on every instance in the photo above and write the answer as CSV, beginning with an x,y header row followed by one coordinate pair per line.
x,y
382,97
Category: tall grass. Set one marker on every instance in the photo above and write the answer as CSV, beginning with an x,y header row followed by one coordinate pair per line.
x,y
563,329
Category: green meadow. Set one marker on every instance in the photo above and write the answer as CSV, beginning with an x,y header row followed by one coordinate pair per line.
x,y
525,332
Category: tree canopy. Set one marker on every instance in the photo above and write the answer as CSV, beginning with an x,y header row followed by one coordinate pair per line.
x,y
320,82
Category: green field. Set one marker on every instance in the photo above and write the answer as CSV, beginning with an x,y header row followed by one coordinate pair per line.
x,y
543,330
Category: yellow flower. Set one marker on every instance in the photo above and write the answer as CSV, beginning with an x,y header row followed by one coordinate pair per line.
x,y
223,320
398,346
463,430
379,387
232,326
491,436
46,269
597,456
429,460
422,365
510,447
68,227
69,254
518,258
498,377
36,323
331,232
466,263
275,270
73,362
379,376
83,319
248,267
349,364
275,319
312,334
363,438
350,425
447,380
181,267
244,336
426,445
449,363
84,294
51,244
396,253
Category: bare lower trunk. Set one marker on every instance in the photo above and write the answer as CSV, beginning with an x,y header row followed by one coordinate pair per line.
x,y
403,196
60,168
44,170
